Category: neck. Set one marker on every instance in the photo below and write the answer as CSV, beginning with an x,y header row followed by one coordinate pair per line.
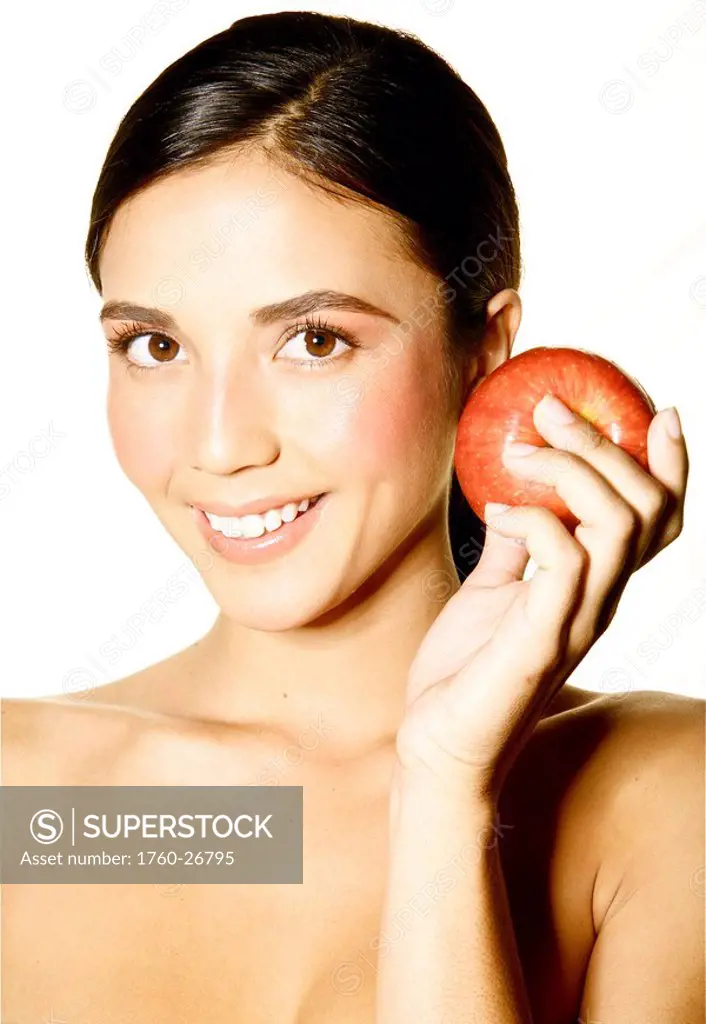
x,y
342,677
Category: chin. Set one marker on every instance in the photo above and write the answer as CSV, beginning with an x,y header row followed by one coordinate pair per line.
x,y
277,605
295,589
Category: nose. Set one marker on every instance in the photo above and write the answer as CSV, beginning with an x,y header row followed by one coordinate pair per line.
x,y
231,425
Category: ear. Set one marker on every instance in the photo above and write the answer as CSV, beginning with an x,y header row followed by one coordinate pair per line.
x,y
503,315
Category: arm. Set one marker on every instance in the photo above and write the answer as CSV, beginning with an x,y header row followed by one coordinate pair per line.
x,y
457,961
647,964
493,659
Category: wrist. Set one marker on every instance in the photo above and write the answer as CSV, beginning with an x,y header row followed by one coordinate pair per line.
x,y
456,790
422,763
425,765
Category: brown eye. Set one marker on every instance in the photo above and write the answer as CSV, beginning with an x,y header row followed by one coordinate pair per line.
x,y
319,343
147,349
159,348
314,345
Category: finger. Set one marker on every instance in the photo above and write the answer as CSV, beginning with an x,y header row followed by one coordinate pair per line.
x,y
503,559
668,459
607,530
608,526
555,588
640,490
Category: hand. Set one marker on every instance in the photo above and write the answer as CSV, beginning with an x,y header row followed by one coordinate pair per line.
x,y
502,647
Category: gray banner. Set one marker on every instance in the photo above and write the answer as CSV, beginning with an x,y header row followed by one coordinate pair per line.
x,y
167,834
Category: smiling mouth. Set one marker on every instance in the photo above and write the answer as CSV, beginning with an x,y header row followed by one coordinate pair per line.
x,y
255,525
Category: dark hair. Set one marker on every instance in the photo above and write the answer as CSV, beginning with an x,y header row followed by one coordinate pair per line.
x,y
366,112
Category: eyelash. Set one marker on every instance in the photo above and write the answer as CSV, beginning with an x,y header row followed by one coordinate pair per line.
x,y
125,335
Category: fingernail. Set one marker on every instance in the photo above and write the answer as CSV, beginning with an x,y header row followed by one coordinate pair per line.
x,y
672,423
520,448
556,411
494,508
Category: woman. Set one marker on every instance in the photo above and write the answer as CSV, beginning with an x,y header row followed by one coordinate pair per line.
x,y
481,841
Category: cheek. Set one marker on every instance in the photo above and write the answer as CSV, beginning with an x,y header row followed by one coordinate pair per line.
x,y
141,437
394,426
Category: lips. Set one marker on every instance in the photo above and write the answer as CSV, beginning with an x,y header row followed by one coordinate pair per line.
x,y
267,546
255,524
257,507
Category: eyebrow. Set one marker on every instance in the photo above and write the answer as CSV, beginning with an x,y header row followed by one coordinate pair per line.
x,y
299,305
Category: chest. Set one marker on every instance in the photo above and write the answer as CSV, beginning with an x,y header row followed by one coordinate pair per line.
x,y
284,954
225,953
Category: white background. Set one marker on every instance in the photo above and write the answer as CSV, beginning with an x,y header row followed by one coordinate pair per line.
x,y
601,109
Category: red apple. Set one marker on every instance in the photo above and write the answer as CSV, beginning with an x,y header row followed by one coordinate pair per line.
x,y
500,410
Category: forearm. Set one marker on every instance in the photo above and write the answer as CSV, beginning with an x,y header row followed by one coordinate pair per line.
x,y
456,961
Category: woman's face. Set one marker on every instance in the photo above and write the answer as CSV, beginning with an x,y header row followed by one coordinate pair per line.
x,y
238,400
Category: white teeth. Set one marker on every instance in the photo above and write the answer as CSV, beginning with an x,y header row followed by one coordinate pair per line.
x,y
228,527
255,525
289,512
272,520
252,526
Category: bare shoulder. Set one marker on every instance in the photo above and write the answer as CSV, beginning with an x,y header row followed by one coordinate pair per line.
x,y
58,741
656,755
586,734
635,729
44,738
630,746
641,806
651,743
615,768
106,735
640,782
645,720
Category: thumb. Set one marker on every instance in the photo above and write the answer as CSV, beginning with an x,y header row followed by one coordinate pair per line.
x,y
503,559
